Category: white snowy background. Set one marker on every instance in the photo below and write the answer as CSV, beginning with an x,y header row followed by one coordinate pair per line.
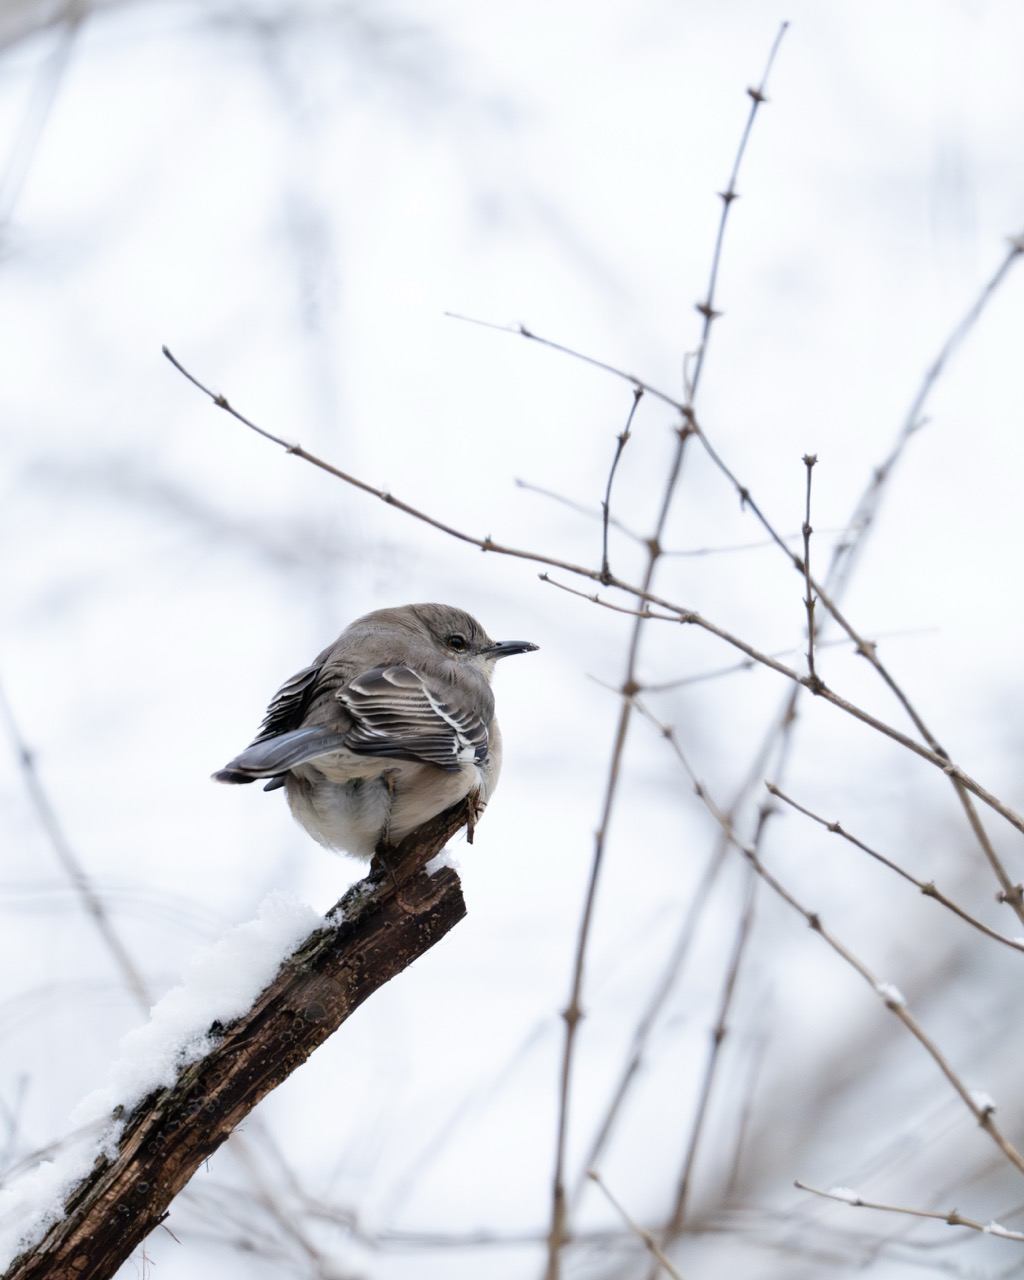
x,y
291,196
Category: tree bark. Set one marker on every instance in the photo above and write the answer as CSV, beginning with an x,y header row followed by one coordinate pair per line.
x,y
379,928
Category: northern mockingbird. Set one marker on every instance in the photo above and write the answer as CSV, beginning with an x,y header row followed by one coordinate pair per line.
x,y
391,725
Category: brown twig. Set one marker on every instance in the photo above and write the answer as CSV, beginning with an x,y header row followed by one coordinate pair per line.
x,y
940,761
927,887
744,926
648,1018
661,1262
606,506
952,1218
983,1113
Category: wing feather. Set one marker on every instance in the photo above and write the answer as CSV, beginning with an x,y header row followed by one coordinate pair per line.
x,y
397,713
289,704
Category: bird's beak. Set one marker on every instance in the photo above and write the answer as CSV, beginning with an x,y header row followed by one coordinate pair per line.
x,y
505,648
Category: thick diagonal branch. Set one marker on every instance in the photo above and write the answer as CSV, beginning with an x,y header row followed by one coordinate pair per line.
x,y
379,928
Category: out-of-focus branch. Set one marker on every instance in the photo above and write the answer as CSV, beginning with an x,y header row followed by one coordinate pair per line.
x,y
661,1262
809,462
378,929
91,901
866,511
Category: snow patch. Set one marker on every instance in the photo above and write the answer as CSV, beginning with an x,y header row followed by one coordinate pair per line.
x,y
221,983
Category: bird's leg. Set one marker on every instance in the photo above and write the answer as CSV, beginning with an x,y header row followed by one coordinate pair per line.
x,y
384,843
385,831
475,807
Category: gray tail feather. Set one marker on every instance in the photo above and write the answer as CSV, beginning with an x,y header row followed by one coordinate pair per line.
x,y
274,757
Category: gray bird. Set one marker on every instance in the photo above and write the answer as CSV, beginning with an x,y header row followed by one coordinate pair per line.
x,y
391,725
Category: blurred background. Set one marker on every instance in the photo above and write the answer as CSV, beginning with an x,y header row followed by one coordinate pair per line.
x,y
292,196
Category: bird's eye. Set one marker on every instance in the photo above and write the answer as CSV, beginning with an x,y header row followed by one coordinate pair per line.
x,y
457,642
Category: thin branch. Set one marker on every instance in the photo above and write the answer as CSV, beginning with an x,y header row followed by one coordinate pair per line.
x,y
670,553
927,887
558,1232
748,664
707,307
720,1030
982,1112
581,508
45,91
647,1020
866,510
941,761
952,1218
809,461
521,331
662,1262
484,544
91,901
606,505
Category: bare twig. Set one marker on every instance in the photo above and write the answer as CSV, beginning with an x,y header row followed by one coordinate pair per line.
x,y
809,461
44,94
952,1218
927,887
983,1113
606,505
91,901
939,759
581,508
662,1262
743,930
707,307
651,1012
866,511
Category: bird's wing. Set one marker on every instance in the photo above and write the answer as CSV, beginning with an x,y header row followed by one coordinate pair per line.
x,y
273,757
398,713
289,704
283,741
